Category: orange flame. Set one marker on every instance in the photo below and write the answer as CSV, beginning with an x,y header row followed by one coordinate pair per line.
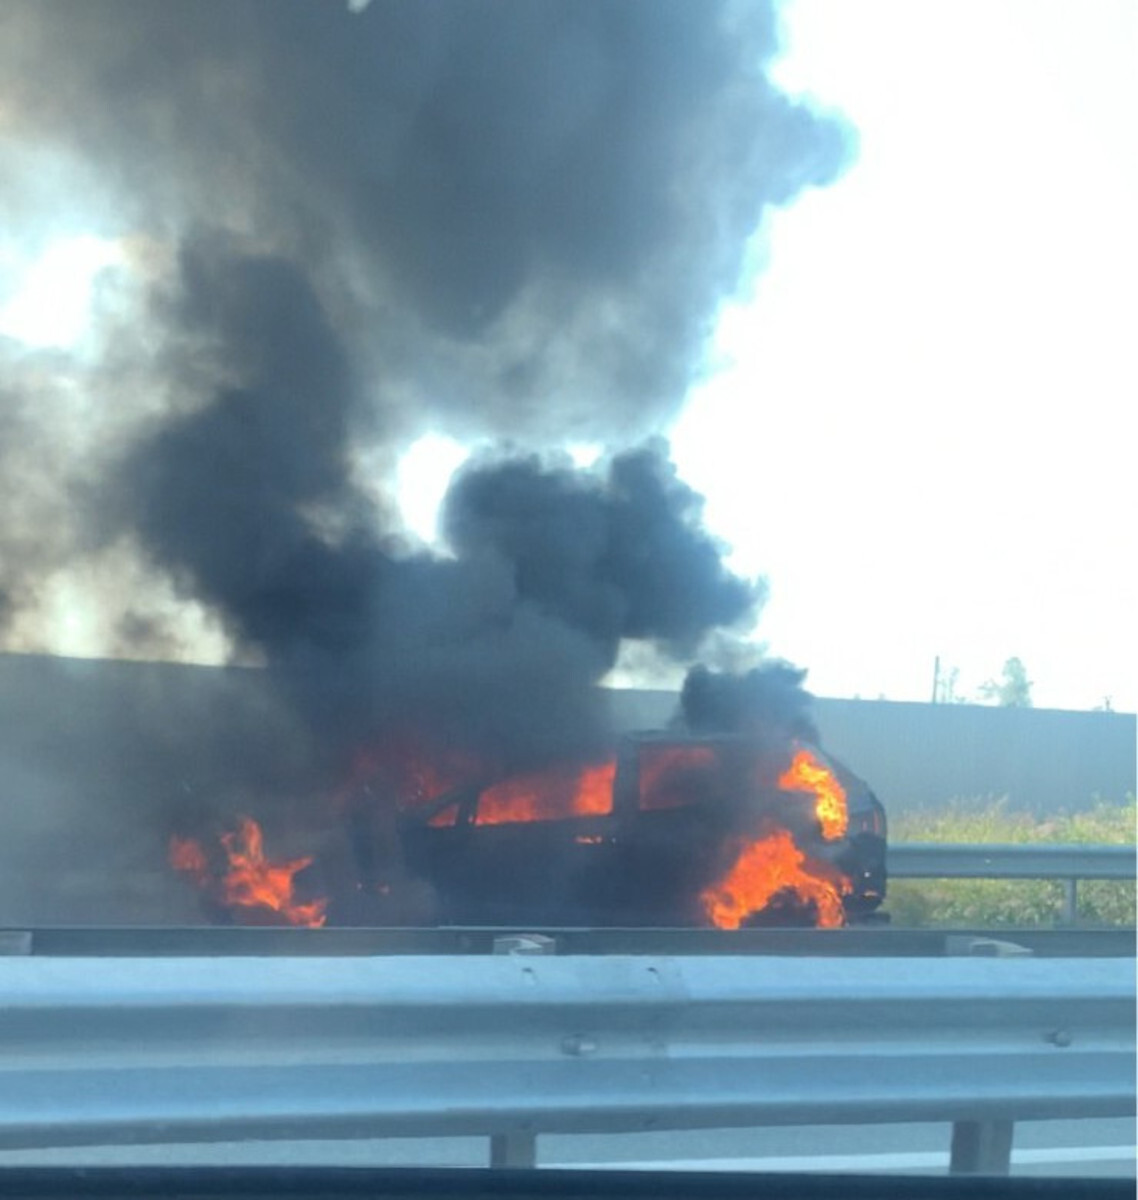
x,y
187,856
416,776
766,867
549,796
251,881
807,774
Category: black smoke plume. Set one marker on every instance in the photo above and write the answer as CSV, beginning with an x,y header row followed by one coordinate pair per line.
x,y
499,218
624,559
769,698
526,211
499,645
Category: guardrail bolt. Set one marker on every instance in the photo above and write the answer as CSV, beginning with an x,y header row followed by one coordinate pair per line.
x,y
1059,1037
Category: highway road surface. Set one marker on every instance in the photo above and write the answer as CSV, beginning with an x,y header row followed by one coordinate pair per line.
x,y
1087,1148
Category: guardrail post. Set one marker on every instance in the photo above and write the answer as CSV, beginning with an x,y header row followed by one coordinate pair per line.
x,y
981,1148
1070,901
519,1148
513,1150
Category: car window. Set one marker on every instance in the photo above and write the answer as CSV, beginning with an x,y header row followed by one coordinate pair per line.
x,y
548,796
670,773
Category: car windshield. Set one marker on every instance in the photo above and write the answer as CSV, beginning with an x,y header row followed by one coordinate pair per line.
x,y
564,586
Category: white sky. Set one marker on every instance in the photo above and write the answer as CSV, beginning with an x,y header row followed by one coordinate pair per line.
x,y
925,434
50,295
921,426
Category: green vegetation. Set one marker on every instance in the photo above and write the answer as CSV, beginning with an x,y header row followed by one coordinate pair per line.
x,y
1012,689
1012,902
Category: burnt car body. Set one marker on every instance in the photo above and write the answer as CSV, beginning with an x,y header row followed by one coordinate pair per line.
x,y
676,816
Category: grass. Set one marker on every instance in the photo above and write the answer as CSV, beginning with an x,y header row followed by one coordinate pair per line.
x,y
1011,902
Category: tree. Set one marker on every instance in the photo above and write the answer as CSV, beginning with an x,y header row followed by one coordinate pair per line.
x,y
946,688
1012,689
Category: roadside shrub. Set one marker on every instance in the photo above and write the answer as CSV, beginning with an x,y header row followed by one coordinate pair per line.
x,y
1011,902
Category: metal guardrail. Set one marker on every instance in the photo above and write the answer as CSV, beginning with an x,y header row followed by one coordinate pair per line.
x,y
1069,864
927,860
235,941
195,1050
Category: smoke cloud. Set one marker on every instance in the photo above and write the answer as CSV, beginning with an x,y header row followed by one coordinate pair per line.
x,y
499,644
527,210
497,218
769,698
623,559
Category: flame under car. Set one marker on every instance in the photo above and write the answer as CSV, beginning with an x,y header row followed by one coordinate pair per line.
x,y
674,831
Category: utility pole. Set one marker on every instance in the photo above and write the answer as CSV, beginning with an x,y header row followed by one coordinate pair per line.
x,y
936,678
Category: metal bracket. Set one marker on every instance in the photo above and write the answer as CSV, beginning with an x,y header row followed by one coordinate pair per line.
x,y
983,947
525,943
15,941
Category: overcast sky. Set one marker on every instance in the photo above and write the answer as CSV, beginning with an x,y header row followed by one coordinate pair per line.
x,y
922,432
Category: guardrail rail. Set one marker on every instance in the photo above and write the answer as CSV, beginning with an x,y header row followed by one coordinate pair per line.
x,y
1068,864
513,1045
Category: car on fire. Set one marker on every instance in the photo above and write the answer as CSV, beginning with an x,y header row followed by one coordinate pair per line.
x,y
674,830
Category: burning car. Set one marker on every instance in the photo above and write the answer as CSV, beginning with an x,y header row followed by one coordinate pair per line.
x,y
690,827
672,831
